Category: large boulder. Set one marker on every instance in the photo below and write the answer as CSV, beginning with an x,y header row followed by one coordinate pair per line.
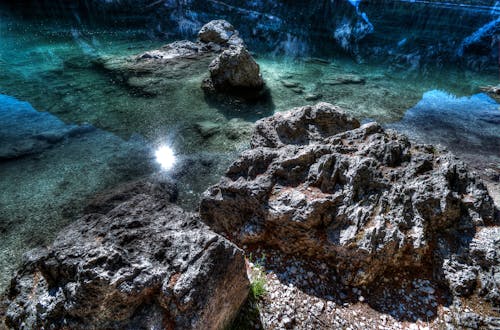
x,y
220,32
235,69
138,264
365,200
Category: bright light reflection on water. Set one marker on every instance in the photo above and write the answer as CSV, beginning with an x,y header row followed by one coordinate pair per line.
x,y
165,157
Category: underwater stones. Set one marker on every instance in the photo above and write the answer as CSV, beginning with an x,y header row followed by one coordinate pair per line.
x,y
134,262
366,201
347,79
290,84
234,70
220,32
296,87
313,97
207,128
156,71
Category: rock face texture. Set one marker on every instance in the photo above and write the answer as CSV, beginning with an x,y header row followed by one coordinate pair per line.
x,y
220,32
235,68
366,201
138,264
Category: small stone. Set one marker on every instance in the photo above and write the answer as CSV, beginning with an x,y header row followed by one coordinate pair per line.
x,y
290,84
207,128
313,97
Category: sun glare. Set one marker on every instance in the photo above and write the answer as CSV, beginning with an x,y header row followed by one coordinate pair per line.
x,y
165,157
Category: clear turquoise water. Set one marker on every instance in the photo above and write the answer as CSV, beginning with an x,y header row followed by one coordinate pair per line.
x,y
50,66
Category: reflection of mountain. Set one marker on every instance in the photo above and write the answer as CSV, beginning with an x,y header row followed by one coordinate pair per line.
x,y
464,124
24,131
468,126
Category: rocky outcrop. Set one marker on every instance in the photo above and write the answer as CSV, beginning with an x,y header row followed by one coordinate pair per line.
x,y
219,48
220,32
234,69
365,200
142,263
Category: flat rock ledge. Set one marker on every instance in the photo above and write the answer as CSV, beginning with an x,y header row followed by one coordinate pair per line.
x,y
365,201
139,264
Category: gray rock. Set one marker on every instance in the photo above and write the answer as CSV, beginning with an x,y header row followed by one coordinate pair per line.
x,y
207,128
220,32
477,263
45,130
313,97
301,126
470,320
290,84
363,199
347,79
143,264
233,69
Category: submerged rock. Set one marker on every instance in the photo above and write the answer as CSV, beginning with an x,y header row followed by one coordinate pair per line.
x,y
143,263
365,200
156,71
493,91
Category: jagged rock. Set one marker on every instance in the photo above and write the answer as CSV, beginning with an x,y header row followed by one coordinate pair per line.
x,y
220,32
301,126
479,264
470,320
143,264
234,69
365,200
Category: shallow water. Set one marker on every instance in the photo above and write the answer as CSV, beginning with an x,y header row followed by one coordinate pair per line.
x,y
82,131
